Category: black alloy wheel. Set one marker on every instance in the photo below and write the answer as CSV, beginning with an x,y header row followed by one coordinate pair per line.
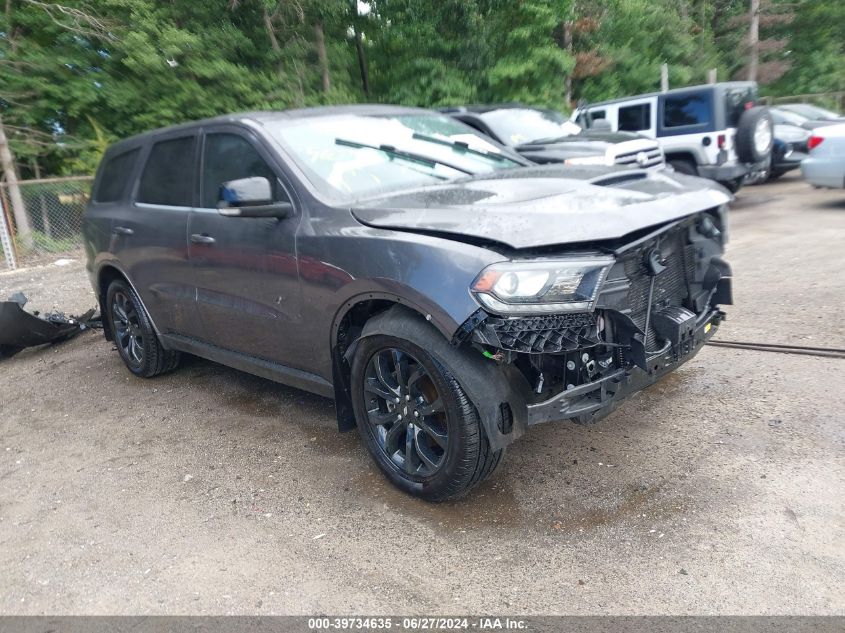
x,y
128,335
406,413
133,332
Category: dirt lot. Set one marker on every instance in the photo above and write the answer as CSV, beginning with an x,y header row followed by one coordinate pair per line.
x,y
719,490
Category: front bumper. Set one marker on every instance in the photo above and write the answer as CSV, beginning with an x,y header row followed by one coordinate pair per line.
x,y
592,401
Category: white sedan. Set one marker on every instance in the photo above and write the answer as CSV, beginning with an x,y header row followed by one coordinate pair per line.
x,y
825,166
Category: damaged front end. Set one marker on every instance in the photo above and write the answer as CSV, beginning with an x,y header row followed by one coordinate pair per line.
x,y
20,329
648,309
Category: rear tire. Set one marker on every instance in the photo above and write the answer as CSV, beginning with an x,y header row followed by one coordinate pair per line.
x,y
732,185
686,167
417,422
134,336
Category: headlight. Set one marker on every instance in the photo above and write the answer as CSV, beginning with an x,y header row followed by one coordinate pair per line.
x,y
587,160
542,287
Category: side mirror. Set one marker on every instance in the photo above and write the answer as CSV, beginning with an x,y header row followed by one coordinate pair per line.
x,y
250,198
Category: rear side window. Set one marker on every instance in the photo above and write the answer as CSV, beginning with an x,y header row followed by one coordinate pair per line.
x,y
231,157
169,173
115,175
690,109
635,117
737,102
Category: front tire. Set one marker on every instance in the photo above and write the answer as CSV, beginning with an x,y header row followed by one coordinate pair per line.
x,y
417,422
134,336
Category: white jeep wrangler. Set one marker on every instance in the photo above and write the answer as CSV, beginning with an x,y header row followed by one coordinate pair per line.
x,y
714,131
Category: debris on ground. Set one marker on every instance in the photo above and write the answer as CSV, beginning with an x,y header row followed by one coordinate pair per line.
x,y
20,329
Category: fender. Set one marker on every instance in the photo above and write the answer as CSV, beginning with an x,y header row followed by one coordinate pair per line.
x,y
101,298
497,392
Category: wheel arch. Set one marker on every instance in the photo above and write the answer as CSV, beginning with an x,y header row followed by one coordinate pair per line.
x,y
683,154
347,326
106,274
498,396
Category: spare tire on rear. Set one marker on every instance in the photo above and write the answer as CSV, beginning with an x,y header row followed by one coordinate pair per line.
x,y
754,135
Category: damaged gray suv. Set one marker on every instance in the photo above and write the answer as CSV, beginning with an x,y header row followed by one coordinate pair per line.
x,y
443,293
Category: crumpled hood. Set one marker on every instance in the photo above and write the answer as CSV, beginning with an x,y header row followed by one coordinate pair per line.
x,y
543,206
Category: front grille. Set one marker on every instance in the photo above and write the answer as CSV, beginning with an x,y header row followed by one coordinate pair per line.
x,y
652,157
545,334
670,286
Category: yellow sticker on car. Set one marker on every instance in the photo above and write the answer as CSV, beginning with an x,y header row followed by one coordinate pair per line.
x,y
707,328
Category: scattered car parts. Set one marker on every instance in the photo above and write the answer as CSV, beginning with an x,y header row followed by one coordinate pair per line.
x,y
20,329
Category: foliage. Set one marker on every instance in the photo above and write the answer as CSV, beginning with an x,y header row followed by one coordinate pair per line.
x,y
78,74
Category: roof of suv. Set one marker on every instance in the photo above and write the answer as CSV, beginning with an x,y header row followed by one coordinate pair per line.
x,y
717,86
273,115
490,107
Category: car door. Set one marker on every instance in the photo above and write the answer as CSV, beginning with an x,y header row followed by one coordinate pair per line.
x,y
149,233
685,120
245,269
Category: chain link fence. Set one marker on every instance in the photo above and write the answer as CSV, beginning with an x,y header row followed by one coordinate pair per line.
x,y
42,220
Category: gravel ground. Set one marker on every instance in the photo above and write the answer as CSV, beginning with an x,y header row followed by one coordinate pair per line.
x,y
717,491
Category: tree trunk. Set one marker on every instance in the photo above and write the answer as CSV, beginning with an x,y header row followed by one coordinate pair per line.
x,y
567,46
24,232
320,42
274,44
754,40
45,212
362,62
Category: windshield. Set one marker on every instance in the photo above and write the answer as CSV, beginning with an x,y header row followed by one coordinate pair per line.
x,y
811,111
350,156
517,126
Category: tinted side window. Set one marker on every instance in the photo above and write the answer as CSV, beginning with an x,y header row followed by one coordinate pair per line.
x,y
169,173
115,175
595,115
230,157
691,109
737,102
634,118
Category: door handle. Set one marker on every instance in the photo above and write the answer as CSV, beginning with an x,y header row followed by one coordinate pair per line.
x,y
199,238
122,230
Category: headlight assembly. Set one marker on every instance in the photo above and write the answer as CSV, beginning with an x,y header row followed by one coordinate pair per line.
x,y
542,287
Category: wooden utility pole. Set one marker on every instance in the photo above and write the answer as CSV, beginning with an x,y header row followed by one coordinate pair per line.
x,y
754,40
7,163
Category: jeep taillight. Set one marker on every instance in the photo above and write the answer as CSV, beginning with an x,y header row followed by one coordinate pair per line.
x,y
814,141
721,140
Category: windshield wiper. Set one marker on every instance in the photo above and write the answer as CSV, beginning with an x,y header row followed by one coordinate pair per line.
x,y
400,153
462,147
